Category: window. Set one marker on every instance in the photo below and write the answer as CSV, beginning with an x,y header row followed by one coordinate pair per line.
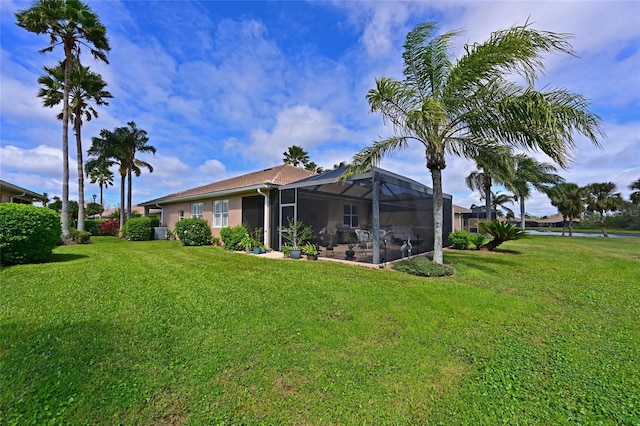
x,y
181,215
351,215
196,210
220,213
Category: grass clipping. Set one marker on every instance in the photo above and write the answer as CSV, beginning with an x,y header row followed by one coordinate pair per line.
x,y
424,267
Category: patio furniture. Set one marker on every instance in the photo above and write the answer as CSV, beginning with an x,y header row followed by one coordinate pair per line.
x,y
365,241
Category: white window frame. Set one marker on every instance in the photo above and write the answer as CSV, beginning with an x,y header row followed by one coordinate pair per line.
x,y
348,217
220,213
196,210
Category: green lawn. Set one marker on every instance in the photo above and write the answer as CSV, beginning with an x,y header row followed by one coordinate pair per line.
x,y
117,332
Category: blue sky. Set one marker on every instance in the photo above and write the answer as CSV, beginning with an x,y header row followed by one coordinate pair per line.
x,y
223,88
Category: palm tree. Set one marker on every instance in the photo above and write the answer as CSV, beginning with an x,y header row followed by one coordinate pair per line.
x,y
450,106
313,167
85,86
492,162
136,142
601,199
528,174
72,24
119,147
296,156
98,171
634,197
569,199
498,202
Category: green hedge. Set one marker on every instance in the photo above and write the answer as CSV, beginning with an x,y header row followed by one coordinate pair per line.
x,y
193,232
80,237
139,228
27,233
232,236
460,239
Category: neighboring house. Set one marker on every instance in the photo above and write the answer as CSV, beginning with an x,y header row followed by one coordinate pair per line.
x,y
460,218
476,214
250,199
396,209
10,193
555,220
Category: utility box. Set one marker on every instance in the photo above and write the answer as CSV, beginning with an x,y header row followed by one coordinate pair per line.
x,y
160,233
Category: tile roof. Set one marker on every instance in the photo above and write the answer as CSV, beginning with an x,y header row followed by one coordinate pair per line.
x,y
275,176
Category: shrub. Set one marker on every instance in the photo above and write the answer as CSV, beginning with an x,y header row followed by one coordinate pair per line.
x,y
193,232
232,237
423,267
27,233
80,237
139,229
93,226
501,232
477,240
109,227
460,239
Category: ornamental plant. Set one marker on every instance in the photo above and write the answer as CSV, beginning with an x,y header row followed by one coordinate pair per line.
x,y
232,237
27,233
109,227
460,239
193,232
139,228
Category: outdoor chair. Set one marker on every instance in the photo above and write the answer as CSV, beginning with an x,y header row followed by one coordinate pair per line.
x,y
365,241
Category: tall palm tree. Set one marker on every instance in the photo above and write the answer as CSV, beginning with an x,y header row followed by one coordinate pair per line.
x,y
86,86
311,166
450,106
634,197
136,142
296,156
498,202
493,162
529,174
98,171
72,24
601,198
569,199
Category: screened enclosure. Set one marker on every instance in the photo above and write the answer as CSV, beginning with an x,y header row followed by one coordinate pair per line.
x,y
379,215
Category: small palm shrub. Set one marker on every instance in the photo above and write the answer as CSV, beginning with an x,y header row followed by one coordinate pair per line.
x,y
193,232
139,228
477,240
27,233
460,239
232,237
501,232
424,267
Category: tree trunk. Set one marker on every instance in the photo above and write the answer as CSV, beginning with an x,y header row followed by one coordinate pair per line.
x,y
436,177
603,226
571,226
523,221
487,197
129,182
77,124
101,202
64,214
564,224
122,179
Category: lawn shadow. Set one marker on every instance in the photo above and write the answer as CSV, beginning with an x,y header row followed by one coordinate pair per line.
x,y
55,366
64,257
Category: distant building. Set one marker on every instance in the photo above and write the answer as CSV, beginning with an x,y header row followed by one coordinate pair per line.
x,y
10,193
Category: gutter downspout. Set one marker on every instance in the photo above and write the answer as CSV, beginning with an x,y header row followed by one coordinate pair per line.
x,y
161,214
22,195
267,222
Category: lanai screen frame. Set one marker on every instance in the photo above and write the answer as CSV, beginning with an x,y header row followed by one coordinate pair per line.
x,y
361,188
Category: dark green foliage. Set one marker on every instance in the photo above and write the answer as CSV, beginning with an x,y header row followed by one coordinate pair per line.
x,y
93,226
27,233
193,232
460,239
501,232
477,240
80,237
155,221
232,237
139,228
424,267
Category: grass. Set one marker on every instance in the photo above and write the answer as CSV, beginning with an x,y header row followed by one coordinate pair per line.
x,y
118,332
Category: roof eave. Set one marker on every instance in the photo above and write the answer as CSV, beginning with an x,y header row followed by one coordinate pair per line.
x,y
214,194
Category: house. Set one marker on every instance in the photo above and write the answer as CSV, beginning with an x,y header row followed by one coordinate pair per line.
x,y
460,218
10,193
472,216
553,221
378,211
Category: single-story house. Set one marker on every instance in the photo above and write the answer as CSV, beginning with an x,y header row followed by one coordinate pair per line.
x,y
10,193
553,221
461,218
398,210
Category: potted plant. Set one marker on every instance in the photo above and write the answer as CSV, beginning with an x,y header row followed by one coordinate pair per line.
x,y
286,250
247,243
350,253
296,234
311,251
331,237
258,237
